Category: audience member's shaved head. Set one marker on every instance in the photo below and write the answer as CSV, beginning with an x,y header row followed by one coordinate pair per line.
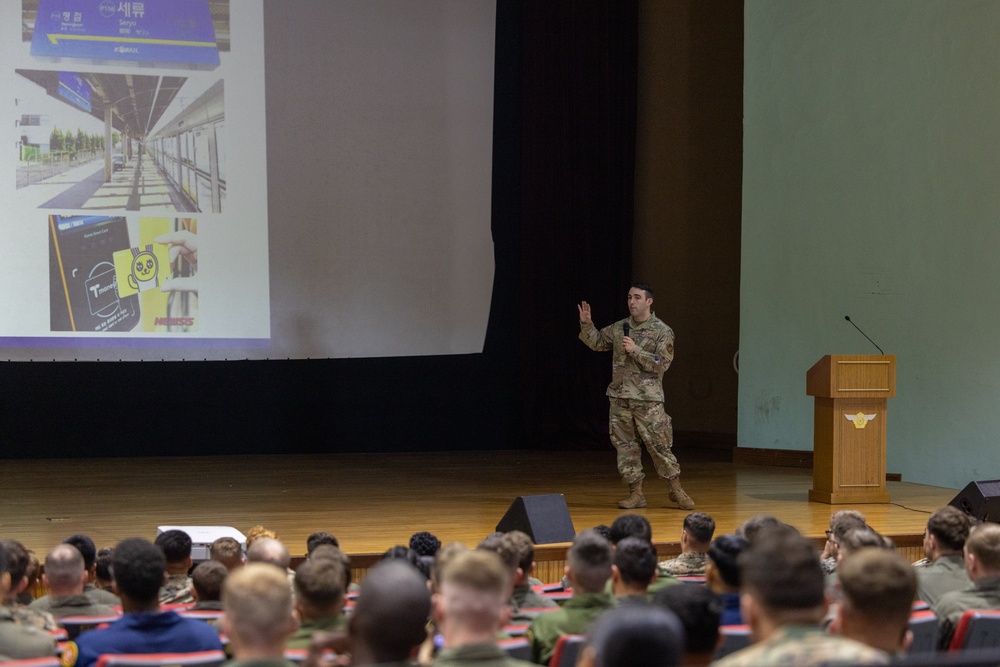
x,y
330,552
950,526
269,550
700,527
984,545
207,579
634,637
64,571
442,559
390,615
475,587
589,559
227,550
258,605
879,585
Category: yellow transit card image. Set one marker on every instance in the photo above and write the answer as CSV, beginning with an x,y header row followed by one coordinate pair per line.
x,y
141,268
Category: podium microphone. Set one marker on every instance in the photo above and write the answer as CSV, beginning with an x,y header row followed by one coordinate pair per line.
x,y
848,318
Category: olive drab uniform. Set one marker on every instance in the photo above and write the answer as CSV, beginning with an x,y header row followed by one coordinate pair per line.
x,y
636,393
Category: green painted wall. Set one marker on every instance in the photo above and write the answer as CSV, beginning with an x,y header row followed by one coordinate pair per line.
x,y
871,188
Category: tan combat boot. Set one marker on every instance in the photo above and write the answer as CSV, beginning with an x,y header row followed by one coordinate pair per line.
x,y
678,495
635,498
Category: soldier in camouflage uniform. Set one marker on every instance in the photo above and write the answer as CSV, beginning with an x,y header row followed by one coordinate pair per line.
x,y
18,641
176,546
636,393
783,602
16,564
696,536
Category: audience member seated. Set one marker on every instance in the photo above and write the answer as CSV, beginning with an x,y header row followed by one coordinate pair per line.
x,y
139,566
424,543
320,538
633,569
520,545
207,580
390,616
258,618
269,550
89,551
783,602
17,564
944,539
722,575
176,546
19,642
227,550
699,611
65,577
259,532
696,535
634,637
749,529
635,525
877,587
319,599
470,609
31,574
104,578
846,519
511,559
982,564
603,530
588,568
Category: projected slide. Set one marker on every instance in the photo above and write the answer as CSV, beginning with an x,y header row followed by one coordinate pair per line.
x,y
118,184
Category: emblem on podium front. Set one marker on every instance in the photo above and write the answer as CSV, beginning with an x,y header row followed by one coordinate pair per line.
x,y
859,420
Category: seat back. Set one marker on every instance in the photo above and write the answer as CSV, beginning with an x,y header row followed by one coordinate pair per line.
x,y
732,639
518,647
567,650
74,625
924,626
34,662
977,628
196,659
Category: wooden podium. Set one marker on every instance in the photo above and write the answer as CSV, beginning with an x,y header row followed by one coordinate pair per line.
x,y
849,427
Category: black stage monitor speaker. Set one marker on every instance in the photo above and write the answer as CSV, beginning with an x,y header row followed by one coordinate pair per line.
x,y
544,518
980,499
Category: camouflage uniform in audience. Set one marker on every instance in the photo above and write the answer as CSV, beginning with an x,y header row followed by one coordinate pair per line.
x,y
304,634
575,617
691,564
804,646
525,597
983,594
478,655
829,565
947,573
29,616
177,590
21,642
72,605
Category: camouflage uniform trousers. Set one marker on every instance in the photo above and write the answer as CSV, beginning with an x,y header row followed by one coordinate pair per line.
x,y
647,419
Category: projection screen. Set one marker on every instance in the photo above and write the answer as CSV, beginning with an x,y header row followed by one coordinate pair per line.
x,y
205,179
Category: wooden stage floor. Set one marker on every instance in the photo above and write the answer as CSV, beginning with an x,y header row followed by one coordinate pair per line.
x,y
374,501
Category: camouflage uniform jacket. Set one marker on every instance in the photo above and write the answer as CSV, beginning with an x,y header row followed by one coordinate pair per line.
x,y
526,598
638,375
982,594
101,596
574,618
177,590
21,642
486,654
945,574
829,565
804,646
304,634
36,618
691,564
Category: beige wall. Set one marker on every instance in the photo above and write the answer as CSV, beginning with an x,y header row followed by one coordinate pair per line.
x,y
688,201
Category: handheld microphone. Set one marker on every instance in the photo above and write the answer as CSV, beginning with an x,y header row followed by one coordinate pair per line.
x,y
848,318
625,329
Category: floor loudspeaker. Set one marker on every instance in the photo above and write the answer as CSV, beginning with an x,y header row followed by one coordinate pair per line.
x,y
544,518
980,500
